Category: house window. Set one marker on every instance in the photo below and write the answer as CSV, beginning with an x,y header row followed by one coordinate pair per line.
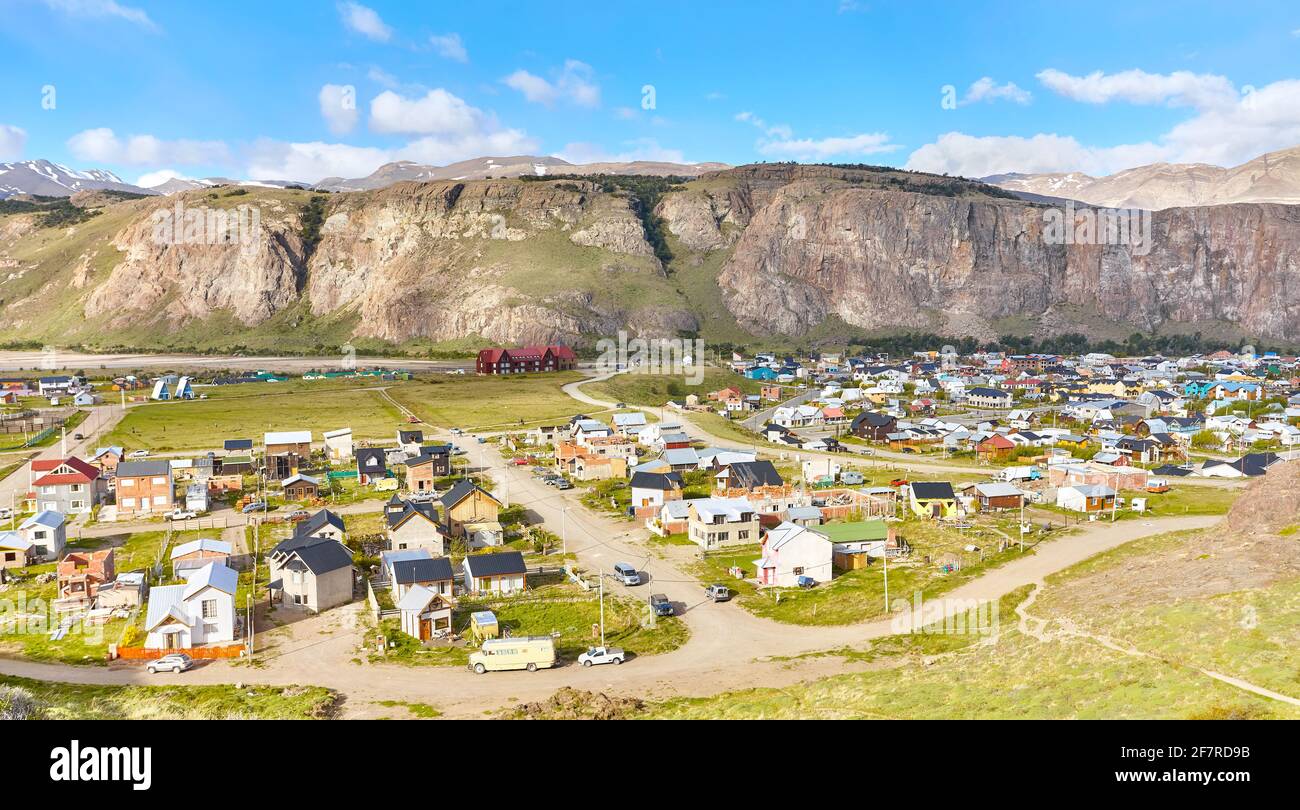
x,y
798,571
160,499
209,608
126,482
159,480
128,503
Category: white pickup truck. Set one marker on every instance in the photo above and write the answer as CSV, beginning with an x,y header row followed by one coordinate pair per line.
x,y
602,655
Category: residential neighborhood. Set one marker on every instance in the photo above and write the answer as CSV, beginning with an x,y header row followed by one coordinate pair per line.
x,y
815,501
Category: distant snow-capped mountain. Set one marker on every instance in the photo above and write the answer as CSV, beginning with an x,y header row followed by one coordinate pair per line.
x,y
48,179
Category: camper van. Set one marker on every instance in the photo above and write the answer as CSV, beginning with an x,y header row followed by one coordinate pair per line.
x,y
525,652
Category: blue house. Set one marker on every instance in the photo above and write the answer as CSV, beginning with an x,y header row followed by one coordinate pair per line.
x,y
761,373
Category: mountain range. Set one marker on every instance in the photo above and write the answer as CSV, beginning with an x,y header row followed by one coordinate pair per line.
x,y
44,178
1271,177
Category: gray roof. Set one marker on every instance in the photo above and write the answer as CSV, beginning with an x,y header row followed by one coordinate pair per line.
x,y
426,569
324,556
131,469
487,565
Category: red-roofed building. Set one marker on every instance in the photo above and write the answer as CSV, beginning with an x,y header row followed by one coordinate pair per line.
x,y
69,485
526,360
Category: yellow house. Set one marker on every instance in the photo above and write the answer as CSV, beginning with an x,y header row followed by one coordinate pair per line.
x,y
933,499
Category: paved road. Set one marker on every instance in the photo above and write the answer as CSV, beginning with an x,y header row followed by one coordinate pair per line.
x,y
72,361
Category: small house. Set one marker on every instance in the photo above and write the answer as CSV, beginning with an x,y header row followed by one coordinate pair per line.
x,y
500,573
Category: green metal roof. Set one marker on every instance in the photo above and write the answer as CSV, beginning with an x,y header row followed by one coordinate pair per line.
x,y
854,532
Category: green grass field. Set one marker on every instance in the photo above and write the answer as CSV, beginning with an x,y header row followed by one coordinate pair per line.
x,y
653,390
66,701
490,403
256,409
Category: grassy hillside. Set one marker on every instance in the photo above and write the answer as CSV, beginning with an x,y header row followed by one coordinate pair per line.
x,y
1131,633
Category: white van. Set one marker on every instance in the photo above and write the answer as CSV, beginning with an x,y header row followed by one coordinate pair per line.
x,y
627,574
525,652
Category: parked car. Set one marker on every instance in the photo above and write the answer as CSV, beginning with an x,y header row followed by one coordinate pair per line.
x,y
255,506
520,461
480,439
718,593
552,479
175,662
181,514
78,436
299,514
457,432
138,454
424,495
806,582
661,605
563,483
602,655
627,574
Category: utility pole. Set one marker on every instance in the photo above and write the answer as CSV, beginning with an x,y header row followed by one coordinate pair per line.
x,y
602,610
884,555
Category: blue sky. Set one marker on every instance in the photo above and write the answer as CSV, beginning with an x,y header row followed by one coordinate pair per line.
x,y
292,89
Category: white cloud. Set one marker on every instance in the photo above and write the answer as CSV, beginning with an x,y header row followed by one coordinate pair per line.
x,y
573,84
311,162
103,8
450,47
438,112
103,146
867,143
382,77
1179,89
151,179
779,141
449,149
1227,128
971,156
781,131
338,106
364,21
452,129
12,141
637,149
985,89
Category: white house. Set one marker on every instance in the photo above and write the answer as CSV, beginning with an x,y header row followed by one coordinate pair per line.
x,y
501,573
47,532
202,611
1087,498
791,551
338,444
425,611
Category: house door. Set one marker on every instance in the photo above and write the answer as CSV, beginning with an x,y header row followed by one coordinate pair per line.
x,y
426,629
936,510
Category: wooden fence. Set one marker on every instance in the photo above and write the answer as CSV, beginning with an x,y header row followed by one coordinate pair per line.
x,y
205,653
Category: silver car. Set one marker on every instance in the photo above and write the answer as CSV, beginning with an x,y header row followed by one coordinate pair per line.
x,y
176,662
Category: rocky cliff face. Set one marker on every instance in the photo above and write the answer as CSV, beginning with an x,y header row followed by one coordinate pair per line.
x,y
511,261
414,261
818,246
